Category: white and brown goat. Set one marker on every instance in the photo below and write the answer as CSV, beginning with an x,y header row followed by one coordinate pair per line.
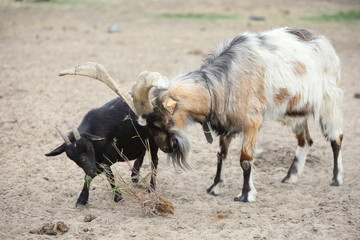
x,y
285,74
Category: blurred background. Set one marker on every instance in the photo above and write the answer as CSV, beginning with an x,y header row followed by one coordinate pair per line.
x,y
39,38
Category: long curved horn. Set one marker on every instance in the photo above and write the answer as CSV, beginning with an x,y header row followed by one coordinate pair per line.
x,y
97,71
140,90
63,135
75,131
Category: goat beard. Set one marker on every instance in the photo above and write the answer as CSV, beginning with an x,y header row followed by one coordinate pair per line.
x,y
180,154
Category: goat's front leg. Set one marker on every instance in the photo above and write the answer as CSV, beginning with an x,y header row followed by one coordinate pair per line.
x,y
110,178
84,195
248,193
216,188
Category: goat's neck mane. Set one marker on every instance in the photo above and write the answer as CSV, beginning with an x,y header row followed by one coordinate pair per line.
x,y
209,84
193,96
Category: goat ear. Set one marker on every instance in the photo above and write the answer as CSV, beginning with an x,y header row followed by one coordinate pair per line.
x,y
56,151
170,105
92,137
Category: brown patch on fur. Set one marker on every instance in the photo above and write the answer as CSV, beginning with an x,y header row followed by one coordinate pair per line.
x,y
299,68
192,100
245,156
282,95
294,101
260,93
301,139
250,133
303,135
336,145
253,99
179,118
304,111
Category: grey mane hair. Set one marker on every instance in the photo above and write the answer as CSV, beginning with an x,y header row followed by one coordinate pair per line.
x,y
179,156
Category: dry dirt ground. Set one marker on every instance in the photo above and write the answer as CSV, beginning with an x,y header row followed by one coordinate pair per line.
x,y
37,40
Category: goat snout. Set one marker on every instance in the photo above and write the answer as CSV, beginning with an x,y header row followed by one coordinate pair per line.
x,y
90,172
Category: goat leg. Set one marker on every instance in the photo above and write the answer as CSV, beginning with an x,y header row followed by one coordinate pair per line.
x,y
84,195
110,177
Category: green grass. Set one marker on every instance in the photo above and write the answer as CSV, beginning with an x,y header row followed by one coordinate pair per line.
x,y
65,2
335,17
198,16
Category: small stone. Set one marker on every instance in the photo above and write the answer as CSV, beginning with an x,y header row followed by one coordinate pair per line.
x,y
357,95
61,227
114,28
257,18
89,218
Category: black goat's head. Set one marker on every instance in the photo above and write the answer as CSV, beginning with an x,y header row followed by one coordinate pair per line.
x,y
80,150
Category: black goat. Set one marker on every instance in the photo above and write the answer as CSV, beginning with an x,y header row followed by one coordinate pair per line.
x,y
90,145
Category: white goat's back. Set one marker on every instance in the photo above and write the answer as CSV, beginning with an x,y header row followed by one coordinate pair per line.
x,y
307,69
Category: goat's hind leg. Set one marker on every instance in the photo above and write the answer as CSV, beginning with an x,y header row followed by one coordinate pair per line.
x,y
337,179
110,177
304,143
216,188
334,134
135,171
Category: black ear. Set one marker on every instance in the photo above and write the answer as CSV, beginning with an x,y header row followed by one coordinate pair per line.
x,y
92,137
56,151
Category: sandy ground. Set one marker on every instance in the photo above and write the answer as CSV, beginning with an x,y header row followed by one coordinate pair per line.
x,y
39,40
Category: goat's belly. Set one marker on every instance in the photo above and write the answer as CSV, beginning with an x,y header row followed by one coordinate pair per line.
x,y
291,121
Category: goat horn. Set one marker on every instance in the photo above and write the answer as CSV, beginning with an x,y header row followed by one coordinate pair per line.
x,y
140,90
63,135
97,71
75,131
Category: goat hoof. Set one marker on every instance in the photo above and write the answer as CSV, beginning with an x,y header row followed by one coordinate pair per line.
x,y
335,183
210,188
80,204
216,188
212,193
117,198
135,179
241,199
285,179
290,179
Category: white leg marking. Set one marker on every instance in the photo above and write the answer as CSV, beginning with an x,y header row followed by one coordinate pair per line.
x,y
218,189
340,175
252,194
301,154
298,167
